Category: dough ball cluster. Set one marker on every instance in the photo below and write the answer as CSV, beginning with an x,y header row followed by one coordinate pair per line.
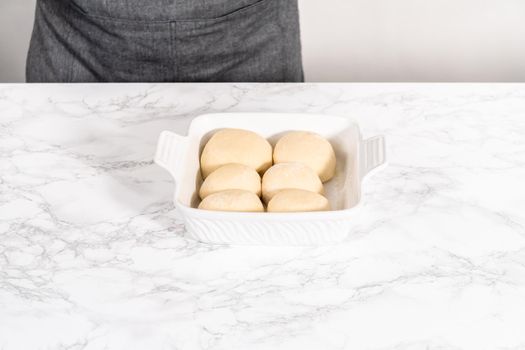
x,y
233,161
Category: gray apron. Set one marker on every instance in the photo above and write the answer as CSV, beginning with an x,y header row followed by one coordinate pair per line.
x,y
165,41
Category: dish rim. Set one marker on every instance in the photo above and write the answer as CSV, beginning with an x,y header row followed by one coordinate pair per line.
x,y
338,214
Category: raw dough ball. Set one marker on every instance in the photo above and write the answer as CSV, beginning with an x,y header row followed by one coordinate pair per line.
x,y
236,146
232,200
289,175
298,200
307,148
231,177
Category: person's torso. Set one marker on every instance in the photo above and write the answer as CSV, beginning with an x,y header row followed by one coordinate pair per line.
x,y
166,40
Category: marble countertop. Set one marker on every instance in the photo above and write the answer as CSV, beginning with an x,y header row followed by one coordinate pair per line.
x,y
93,253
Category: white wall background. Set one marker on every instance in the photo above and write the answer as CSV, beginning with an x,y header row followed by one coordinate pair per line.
x,y
414,40
367,40
16,23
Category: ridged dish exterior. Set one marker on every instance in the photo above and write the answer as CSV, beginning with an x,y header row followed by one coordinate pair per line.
x,y
315,232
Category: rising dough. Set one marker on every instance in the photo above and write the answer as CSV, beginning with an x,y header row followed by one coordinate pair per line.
x,y
298,200
231,177
236,146
232,200
307,148
289,175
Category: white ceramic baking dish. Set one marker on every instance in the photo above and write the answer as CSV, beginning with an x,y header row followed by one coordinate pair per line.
x,y
355,159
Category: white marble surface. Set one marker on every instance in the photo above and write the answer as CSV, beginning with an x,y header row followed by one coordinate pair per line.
x,y
92,254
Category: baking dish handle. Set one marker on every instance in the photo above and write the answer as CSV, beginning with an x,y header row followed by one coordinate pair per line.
x,y
170,149
373,154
